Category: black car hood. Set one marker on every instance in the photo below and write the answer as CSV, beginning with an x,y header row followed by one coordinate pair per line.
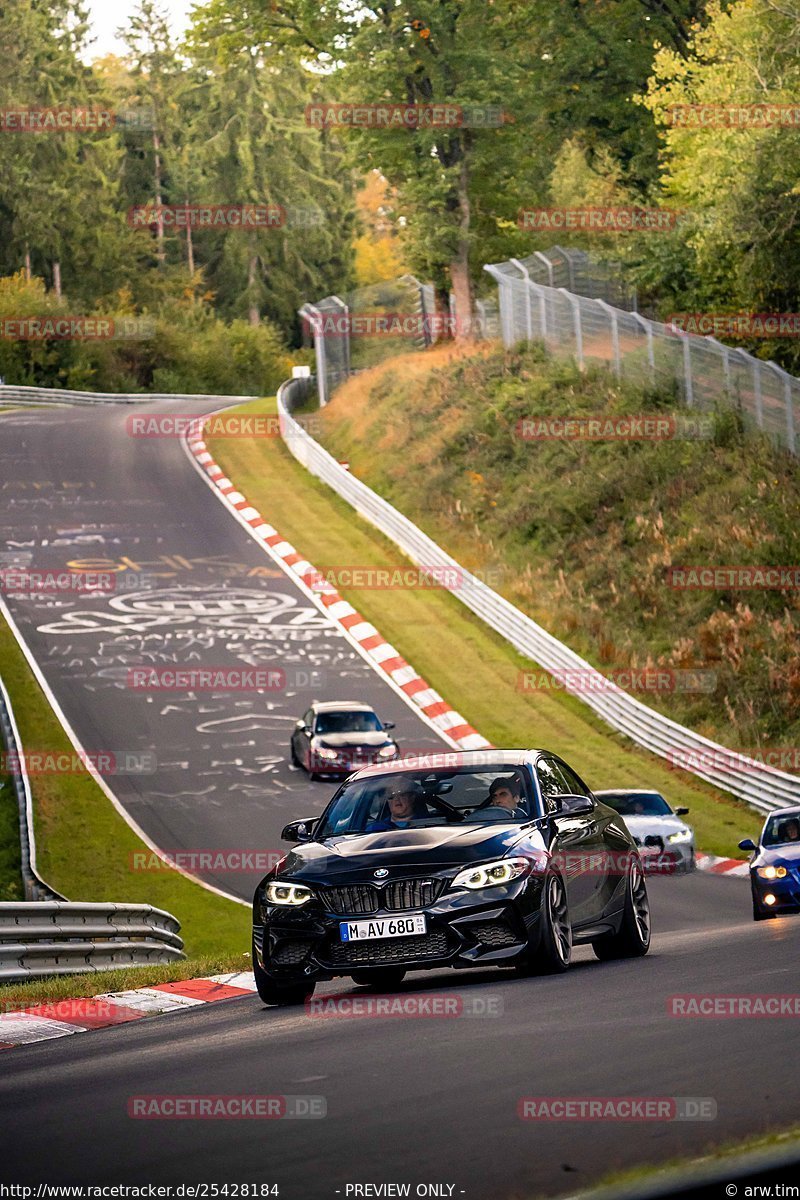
x,y
426,849
375,737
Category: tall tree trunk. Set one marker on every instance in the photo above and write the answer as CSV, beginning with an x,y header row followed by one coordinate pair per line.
x,y
252,311
57,278
157,175
459,267
189,243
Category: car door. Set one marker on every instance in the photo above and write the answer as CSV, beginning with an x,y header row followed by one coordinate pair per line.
x,y
605,850
575,839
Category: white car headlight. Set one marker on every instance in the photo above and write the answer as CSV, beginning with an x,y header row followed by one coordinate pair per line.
x,y
387,751
324,752
680,835
288,895
771,872
492,874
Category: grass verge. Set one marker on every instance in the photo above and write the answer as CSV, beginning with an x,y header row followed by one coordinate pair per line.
x,y
84,847
73,987
472,667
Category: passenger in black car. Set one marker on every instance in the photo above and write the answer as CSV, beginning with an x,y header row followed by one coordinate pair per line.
x,y
405,801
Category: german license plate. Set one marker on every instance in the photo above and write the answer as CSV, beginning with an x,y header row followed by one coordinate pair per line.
x,y
385,927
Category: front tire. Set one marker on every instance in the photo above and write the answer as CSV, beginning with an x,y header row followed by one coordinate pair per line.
x,y
554,952
278,992
387,978
632,940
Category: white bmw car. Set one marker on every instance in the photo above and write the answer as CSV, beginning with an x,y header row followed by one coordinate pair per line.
x,y
666,841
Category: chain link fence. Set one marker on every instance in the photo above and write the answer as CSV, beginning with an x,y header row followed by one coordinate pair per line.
x,y
578,314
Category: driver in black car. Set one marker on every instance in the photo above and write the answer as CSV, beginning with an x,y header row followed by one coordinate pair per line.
x,y
504,799
405,803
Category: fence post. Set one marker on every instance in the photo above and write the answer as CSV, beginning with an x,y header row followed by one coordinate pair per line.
x,y
315,320
688,382
504,301
526,275
651,357
612,312
576,321
548,264
346,312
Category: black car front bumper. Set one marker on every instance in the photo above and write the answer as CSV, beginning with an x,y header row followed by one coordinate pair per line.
x,y
495,927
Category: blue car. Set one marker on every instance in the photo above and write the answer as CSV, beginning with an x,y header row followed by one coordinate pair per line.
x,y
775,865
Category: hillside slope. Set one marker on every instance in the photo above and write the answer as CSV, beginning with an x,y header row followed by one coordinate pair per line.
x,y
582,534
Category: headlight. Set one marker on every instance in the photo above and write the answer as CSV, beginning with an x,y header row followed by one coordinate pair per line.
x,y
680,835
771,872
288,895
492,874
323,752
387,751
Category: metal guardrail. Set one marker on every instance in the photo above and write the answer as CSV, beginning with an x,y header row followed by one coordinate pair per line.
x,y
762,786
47,935
38,940
34,886
10,394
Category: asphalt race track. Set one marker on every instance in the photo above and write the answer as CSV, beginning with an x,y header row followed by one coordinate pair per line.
x,y
192,589
431,1100
428,1101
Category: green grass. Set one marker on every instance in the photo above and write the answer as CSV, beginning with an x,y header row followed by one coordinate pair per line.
x,y
85,848
473,668
583,533
676,1170
66,987
10,860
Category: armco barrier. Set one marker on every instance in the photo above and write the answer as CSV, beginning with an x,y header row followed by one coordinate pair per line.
x,y
764,787
47,938
33,884
10,394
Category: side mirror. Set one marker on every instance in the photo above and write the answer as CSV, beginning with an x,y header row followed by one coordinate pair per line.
x,y
574,806
388,724
298,831
747,844
681,812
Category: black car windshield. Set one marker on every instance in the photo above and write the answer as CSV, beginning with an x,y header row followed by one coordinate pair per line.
x,y
779,831
422,798
637,804
347,722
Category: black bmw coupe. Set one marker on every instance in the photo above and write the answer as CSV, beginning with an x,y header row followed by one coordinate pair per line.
x,y
491,858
